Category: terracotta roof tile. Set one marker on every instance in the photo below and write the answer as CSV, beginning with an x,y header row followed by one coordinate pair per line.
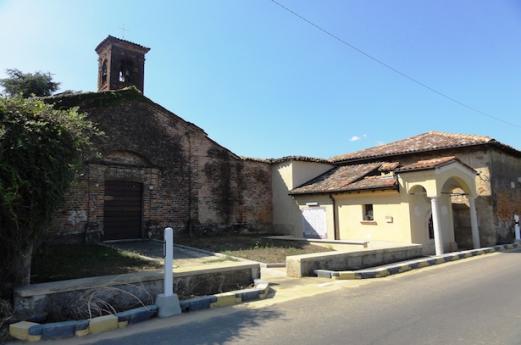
x,y
112,39
357,177
336,179
430,164
388,166
430,141
299,158
373,182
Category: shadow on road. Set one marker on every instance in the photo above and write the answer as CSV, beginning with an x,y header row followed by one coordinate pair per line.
x,y
215,330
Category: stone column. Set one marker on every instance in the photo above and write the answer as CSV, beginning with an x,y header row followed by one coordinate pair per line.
x,y
438,240
474,222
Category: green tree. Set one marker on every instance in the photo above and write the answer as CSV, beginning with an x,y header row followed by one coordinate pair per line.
x,y
28,84
41,150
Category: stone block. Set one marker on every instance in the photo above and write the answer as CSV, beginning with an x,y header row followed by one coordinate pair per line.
x,y
82,332
20,331
137,314
197,303
345,275
394,269
103,324
57,330
226,299
323,273
404,268
250,295
381,273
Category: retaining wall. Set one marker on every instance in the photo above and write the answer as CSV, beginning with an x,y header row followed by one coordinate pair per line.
x,y
84,298
305,265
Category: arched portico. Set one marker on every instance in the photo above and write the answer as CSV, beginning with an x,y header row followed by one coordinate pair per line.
x,y
438,182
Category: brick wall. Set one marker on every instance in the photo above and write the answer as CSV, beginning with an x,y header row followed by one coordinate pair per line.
x,y
188,179
506,184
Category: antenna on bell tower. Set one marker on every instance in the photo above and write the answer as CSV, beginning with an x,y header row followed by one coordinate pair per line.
x,y
123,31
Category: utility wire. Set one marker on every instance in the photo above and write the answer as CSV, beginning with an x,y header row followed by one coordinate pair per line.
x,y
390,67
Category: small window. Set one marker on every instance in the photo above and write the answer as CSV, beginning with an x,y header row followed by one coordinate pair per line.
x,y
368,212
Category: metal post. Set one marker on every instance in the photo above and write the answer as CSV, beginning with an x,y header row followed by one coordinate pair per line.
x,y
167,302
438,240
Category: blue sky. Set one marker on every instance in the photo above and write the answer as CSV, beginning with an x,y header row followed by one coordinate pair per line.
x,y
265,84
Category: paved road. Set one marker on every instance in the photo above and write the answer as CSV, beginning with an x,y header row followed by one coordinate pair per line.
x,y
470,302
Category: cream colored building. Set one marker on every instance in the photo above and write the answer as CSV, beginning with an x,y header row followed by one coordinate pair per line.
x,y
412,191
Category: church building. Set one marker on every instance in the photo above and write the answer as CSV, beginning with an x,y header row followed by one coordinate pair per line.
x,y
154,169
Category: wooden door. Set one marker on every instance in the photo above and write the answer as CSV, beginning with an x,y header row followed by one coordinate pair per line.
x,y
123,210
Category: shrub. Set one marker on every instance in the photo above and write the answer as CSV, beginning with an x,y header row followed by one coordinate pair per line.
x,y
41,149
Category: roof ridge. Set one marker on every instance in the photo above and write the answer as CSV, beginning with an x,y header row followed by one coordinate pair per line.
x,y
465,135
121,40
423,142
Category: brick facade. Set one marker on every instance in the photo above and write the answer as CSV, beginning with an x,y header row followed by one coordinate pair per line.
x,y
189,181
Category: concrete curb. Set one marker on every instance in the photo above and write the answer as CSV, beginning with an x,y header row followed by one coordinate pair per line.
x,y
400,267
31,331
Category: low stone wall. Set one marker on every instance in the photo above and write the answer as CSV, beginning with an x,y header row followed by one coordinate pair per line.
x,y
305,265
90,297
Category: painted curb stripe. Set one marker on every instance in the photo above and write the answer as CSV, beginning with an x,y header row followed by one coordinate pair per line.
x,y
396,269
80,328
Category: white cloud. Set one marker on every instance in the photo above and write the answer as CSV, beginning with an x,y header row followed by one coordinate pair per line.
x,y
358,137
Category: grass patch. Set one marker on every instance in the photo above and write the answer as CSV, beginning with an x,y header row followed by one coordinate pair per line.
x,y
252,247
60,262
220,259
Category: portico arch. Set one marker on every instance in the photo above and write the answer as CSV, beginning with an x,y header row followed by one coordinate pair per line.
x,y
464,216
439,182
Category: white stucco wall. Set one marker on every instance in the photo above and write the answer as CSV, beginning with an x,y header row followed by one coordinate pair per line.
x,y
286,176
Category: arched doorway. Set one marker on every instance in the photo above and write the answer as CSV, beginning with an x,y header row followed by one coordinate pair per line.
x,y
421,219
441,183
458,197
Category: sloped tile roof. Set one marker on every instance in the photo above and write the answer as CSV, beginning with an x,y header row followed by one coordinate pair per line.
x,y
430,141
431,164
299,158
368,176
373,182
112,39
336,179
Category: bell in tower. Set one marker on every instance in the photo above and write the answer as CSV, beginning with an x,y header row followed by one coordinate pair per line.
x,y
121,64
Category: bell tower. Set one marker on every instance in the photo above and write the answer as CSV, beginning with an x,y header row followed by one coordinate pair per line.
x,y
120,64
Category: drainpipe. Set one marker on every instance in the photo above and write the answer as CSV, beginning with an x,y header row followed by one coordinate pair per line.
x,y
335,228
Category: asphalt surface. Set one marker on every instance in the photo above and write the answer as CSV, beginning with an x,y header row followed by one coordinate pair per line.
x,y
476,301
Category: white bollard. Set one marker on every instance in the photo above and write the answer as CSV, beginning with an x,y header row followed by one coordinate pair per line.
x,y
168,286
516,228
167,302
